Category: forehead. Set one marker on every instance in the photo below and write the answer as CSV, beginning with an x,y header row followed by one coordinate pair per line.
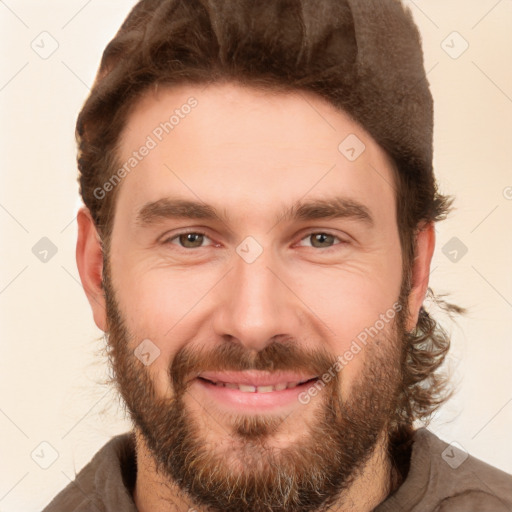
x,y
248,150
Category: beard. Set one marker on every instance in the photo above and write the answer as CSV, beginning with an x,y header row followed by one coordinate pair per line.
x,y
244,471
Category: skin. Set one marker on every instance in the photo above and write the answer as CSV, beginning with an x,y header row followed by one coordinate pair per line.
x,y
271,150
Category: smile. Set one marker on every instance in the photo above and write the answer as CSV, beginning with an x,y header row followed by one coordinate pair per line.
x,y
247,388
252,391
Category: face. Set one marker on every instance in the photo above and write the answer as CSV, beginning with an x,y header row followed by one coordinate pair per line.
x,y
253,295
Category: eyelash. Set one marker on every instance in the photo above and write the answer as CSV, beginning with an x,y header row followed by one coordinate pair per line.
x,y
307,235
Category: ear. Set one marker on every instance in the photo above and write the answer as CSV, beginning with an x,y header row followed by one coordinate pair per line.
x,y
425,243
89,259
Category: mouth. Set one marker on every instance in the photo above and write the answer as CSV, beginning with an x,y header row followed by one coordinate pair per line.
x,y
250,388
252,391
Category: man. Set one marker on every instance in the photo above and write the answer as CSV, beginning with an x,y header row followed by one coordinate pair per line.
x,y
256,242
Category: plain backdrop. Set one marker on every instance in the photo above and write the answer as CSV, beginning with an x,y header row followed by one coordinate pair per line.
x,y
51,366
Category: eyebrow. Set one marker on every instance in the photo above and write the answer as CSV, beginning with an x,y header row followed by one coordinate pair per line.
x,y
330,208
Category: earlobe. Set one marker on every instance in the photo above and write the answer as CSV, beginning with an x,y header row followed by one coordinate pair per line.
x,y
425,243
89,259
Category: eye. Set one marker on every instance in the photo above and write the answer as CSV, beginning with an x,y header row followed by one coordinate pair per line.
x,y
188,240
323,240
195,239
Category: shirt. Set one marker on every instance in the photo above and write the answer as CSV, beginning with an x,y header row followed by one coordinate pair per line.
x,y
441,478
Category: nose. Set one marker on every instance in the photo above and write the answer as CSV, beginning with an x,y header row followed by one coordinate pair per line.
x,y
255,304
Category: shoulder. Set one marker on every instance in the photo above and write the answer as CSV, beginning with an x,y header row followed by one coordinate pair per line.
x,y
443,477
103,484
467,482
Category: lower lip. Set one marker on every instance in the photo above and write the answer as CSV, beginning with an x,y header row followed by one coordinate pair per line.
x,y
251,402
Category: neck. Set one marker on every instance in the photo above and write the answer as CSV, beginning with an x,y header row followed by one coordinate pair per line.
x,y
376,480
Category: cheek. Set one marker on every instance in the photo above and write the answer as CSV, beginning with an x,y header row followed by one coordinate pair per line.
x,y
157,302
351,298
162,305
359,305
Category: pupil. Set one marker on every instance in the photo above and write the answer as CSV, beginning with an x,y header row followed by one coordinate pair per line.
x,y
321,237
193,238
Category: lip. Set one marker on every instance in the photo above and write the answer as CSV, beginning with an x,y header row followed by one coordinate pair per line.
x,y
237,401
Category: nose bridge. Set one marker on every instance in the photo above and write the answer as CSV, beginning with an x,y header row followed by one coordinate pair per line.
x,y
255,304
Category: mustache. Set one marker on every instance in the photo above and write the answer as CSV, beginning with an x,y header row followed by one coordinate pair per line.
x,y
286,355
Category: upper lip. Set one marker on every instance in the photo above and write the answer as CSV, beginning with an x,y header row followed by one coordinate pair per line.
x,y
256,378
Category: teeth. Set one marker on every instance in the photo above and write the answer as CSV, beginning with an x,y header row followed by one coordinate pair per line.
x,y
265,389
247,389
260,389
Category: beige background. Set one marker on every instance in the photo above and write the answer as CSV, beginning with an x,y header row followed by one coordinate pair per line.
x,y
50,364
